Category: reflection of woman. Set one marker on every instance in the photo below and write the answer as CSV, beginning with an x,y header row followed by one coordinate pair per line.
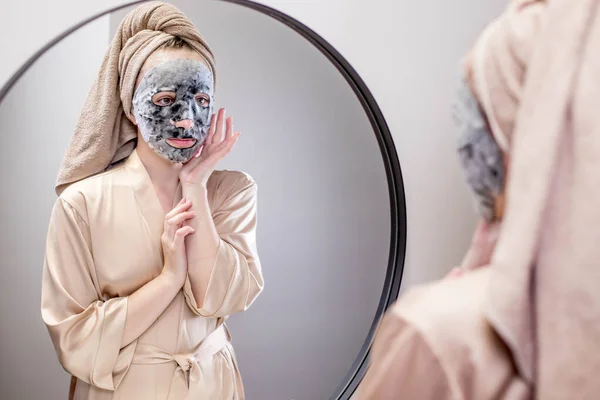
x,y
521,321
149,248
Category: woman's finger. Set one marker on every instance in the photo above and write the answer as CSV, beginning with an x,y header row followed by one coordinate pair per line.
x,y
178,209
178,219
454,273
211,131
198,153
167,216
183,232
485,232
229,127
223,149
219,131
230,143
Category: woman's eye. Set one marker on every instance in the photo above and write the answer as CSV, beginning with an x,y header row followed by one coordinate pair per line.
x,y
203,101
165,101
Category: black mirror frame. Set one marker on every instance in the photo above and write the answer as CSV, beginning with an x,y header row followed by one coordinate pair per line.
x,y
391,163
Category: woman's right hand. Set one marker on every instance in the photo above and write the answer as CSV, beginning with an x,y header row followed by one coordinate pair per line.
x,y
173,241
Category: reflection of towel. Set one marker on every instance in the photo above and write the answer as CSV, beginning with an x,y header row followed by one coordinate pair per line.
x,y
536,72
104,135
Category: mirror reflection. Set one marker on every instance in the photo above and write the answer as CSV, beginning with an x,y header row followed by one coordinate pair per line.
x,y
221,198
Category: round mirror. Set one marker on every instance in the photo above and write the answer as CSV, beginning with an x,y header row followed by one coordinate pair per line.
x,y
331,214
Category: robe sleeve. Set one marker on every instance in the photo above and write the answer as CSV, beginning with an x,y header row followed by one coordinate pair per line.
x,y
85,330
435,343
236,279
403,365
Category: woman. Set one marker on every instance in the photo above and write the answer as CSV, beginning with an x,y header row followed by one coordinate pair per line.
x,y
150,248
522,319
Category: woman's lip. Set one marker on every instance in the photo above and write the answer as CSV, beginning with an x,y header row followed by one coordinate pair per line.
x,y
181,143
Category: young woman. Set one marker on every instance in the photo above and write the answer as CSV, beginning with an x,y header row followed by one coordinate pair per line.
x,y
521,320
150,248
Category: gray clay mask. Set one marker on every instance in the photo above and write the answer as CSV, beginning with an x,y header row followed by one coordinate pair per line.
x,y
173,106
480,156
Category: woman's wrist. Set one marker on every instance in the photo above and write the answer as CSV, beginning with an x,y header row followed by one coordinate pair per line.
x,y
172,280
194,188
197,194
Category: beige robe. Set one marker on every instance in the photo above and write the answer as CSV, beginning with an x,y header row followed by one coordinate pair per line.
x,y
436,344
104,244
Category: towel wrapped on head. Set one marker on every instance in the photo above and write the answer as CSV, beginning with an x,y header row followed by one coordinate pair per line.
x,y
104,133
499,61
534,71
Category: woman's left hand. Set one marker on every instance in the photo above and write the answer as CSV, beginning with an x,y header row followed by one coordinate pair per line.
x,y
483,244
218,144
481,250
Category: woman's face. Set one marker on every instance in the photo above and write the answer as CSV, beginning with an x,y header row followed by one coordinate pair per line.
x,y
482,160
172,103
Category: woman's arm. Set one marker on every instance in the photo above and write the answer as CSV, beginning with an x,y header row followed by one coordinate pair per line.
x,y
224,271
95,338
86,331
151,300
146,304
202,248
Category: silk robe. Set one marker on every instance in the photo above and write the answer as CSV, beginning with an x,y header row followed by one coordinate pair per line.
x,y
103,244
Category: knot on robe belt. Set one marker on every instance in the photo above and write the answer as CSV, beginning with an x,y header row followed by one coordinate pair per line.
x,y
185,361
189,380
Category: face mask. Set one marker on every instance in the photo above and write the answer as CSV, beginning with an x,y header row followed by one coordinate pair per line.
x,y
173,106
480,156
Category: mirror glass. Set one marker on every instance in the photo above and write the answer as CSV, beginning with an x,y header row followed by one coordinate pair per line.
x,y
323,204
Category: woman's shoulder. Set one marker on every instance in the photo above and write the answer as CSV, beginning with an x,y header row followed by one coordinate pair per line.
x,y
90,189
225,186
221,180
444,308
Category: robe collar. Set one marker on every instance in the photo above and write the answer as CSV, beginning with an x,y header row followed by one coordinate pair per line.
x,y
145,195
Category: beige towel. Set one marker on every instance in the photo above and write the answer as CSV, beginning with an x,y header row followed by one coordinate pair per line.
x,y
537,72
104,135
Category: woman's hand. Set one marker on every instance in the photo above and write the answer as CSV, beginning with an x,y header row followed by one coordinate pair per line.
x,y
218,144
480,252
173,241
483,244
454,273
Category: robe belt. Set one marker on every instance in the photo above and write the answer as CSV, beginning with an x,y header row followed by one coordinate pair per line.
x,y
188,373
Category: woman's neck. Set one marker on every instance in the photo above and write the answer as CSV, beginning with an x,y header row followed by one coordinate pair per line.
x,y
163,174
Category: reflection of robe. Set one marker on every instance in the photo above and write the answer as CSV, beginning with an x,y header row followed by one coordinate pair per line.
x,y
435,344
104,244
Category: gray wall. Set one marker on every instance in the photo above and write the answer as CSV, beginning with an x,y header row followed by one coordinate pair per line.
x,y
36,121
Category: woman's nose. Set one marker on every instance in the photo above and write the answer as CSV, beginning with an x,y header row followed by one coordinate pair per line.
x,y
184,123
